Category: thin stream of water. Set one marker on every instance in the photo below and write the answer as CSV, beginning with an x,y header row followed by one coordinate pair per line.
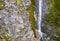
x,y
40,36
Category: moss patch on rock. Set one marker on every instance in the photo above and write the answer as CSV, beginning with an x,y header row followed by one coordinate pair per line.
x,y
53,18
1,4
19,2
31,16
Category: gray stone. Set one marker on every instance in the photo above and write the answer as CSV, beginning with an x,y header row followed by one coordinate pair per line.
x,y
14,23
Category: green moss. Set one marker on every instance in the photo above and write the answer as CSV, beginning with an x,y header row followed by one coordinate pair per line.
x,y
53,18
19,2
1,4
31,16
5,37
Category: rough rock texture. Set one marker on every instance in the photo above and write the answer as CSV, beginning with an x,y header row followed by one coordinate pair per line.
x,y
14,21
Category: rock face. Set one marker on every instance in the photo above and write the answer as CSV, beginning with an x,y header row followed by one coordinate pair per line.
x,y
14,21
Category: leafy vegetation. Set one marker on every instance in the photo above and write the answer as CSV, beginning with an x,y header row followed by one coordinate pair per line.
x,y
53,18
31,16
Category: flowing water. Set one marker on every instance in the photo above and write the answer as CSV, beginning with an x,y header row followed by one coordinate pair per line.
x,y
40,36
39,19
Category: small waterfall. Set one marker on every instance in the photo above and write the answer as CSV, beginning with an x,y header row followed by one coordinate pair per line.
x,y
39,20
